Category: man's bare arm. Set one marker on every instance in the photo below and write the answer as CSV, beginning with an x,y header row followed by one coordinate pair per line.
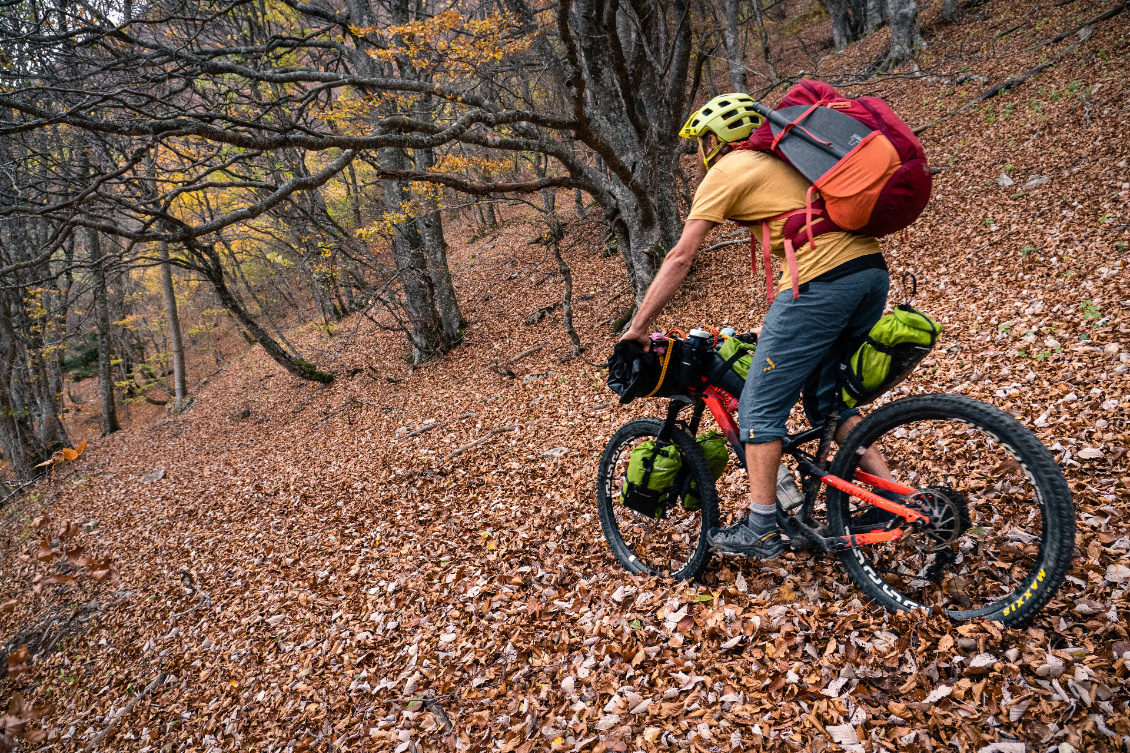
x,y
671,274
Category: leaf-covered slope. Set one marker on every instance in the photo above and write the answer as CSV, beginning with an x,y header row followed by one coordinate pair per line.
x,y
310,570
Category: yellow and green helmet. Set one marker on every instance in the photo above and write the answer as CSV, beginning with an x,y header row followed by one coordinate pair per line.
x,y
727,117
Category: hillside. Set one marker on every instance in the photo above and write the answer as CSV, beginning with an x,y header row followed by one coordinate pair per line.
x,y
301,567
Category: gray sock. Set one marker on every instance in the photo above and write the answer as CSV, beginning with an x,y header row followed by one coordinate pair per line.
x,y
763,519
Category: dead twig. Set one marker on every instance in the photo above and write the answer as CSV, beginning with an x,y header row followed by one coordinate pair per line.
x,y
435,425
205,599
472,445
501,371
486,437
398,380
724,244
18,489
349,404
433,706
525,353
504,370
118,717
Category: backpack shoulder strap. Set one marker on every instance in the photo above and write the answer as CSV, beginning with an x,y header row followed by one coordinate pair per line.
x,y
815,223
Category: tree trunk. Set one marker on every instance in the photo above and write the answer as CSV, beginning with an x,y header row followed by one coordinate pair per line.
x,y
735,56
633,111
556,233
842,32
16,437
102,322
906,36
259,302
215,272
49,429
176,344
430,224
875,12
763,36
426,327
35,384
949,10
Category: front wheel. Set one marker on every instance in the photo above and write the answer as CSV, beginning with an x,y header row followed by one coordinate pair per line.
x,y
671,542
1002,529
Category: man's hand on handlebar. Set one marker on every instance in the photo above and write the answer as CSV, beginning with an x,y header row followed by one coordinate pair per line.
x,y
644,338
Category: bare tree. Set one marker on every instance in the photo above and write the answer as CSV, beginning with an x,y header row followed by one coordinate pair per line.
x,y
906,37
102,320
735,52
553,239
176,344
763,36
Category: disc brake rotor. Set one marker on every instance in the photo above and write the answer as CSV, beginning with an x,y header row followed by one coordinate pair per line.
x,y
948,513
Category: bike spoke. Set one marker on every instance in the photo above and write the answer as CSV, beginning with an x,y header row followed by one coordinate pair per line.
x,y
997,511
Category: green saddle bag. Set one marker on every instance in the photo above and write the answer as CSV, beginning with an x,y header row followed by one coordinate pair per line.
x,y
891,350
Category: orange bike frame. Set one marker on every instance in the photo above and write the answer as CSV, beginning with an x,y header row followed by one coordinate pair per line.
x,y
722,405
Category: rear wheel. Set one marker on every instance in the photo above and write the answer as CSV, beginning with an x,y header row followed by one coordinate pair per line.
x,y
672,545
1003,523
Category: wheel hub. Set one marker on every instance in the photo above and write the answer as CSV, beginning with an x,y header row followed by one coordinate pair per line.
x,y
948,513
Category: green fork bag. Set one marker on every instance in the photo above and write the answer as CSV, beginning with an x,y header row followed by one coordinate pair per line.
x,y
716,450
651,477
891,350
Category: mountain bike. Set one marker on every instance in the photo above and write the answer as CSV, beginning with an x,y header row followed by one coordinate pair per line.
x,y
978,520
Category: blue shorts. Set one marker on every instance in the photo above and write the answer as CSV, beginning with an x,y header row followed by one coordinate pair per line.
x,y
792,351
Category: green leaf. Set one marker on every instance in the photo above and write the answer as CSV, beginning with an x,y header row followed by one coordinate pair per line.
x,y
635,624
703,597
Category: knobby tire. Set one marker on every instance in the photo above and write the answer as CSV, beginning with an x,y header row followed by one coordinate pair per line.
x,y
609,477
1051,494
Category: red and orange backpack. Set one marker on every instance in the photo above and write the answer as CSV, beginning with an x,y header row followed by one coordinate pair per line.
x,y
879,187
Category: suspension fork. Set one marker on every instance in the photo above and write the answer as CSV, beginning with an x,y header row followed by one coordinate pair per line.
x,y
670,425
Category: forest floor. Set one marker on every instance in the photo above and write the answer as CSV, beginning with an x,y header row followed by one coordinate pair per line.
x,y
289,566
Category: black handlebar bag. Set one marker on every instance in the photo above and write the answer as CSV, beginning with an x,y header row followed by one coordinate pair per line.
x,y
634,372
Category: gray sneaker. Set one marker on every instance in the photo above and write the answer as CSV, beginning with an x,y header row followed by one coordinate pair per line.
x,y
741,541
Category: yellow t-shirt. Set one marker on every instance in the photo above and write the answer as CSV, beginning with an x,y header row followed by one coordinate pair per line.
x,y
751,186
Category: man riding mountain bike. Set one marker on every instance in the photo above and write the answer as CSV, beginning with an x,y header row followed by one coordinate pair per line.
x,y
841,290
